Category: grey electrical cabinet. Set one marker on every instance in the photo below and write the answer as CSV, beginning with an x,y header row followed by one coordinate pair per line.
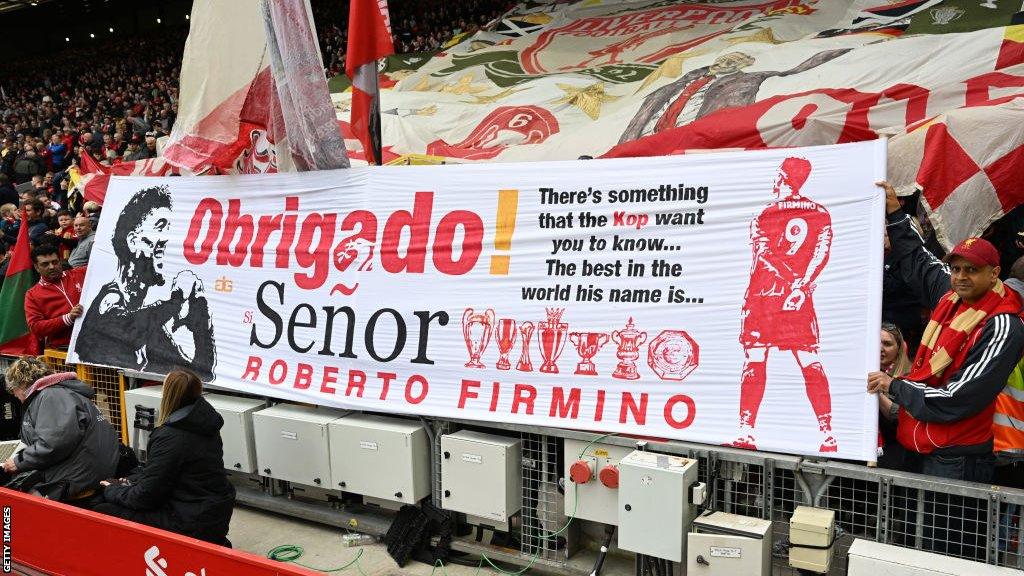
x,y
293,444
148,397
379,456
237,435
481,475
654,504
723,544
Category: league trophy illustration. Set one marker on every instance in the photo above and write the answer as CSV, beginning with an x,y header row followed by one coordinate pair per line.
x,y
629,340
505,337
587,345
551,339
525,331
476,331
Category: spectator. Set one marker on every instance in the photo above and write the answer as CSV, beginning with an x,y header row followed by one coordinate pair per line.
x,y
92,210
51,306
10,222
67,440
37,224
183,487
974,341
80,255
58,153
8,195
1007,432
64,234
27,165
895,363
8,154
32,185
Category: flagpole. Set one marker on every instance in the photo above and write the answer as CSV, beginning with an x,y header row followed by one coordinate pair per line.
x,y
375,119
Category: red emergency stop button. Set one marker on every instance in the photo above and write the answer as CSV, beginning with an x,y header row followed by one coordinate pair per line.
x,y
609,476
580,472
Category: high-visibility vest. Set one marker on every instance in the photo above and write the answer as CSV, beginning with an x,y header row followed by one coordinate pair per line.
x,y
1008,420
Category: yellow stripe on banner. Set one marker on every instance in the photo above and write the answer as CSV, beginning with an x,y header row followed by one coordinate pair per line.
x,y
967,320
1015,33
939,360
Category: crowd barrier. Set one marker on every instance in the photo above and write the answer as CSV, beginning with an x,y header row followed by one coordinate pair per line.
x,y
962,519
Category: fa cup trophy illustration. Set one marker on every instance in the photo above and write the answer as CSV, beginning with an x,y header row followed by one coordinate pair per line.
x,y
505,336
587,345
525,331
476,331
551,339
629,340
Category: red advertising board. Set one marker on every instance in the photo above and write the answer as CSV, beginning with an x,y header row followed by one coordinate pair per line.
x,y
58,539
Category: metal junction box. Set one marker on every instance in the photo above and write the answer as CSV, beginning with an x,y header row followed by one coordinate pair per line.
x,y
292,443
148,397
592,480
381,457
654,504
811,539
868,558
237,435
481,475
722,544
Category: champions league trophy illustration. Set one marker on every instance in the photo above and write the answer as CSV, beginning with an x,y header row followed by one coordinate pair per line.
x,y
629,340
525,331
551,339
587,345
505,337
476,331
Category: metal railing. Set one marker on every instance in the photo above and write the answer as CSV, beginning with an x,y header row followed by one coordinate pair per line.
x,y
961,519
108,383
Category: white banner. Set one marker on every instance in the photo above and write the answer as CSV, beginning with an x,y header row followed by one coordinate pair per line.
x,y
721,298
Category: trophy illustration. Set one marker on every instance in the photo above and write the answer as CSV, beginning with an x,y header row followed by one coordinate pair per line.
x,y
505,337
629,340
524,364
587,345
476,331
946,14
551,339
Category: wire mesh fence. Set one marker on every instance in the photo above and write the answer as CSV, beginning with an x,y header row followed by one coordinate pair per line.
x,y
543,504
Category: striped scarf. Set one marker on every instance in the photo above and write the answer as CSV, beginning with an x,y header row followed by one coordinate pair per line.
x,y
945,339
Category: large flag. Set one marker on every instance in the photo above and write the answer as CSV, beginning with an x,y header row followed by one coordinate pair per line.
x,y
554,80
15,337
968,181
254,97
93,178
369,39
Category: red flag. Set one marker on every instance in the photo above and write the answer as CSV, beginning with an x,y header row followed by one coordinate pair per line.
x,y
88,165
369,39
253,96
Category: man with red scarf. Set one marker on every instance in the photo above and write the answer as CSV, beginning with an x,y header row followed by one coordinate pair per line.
x,y
973,341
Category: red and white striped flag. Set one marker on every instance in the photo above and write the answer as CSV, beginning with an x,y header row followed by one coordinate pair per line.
x,y
254,97
369,40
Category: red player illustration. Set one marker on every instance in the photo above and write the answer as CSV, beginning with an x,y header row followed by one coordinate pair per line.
x,y
791,240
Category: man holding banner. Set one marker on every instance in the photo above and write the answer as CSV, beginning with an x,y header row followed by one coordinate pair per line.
x,y
791,240
971,345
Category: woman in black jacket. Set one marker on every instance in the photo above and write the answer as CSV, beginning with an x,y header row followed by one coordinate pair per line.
x,y
183,486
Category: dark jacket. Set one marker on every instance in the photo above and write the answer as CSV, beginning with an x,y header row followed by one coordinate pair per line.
x,y
947,417
183,480
66,437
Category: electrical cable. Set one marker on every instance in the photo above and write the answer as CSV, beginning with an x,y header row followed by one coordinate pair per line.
x,y
291,552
